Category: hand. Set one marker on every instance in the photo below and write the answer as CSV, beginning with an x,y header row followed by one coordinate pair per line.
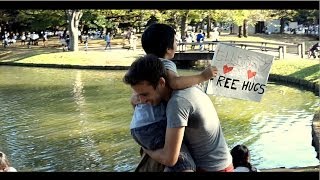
x,y
209,72
146,151
135,99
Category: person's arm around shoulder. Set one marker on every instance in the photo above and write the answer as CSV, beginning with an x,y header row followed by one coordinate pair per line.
x,y
169,154
182,82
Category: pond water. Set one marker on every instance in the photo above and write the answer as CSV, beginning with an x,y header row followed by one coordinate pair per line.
x,y
78,120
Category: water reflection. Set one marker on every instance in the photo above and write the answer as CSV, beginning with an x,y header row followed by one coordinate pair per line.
x,y
77,120
91,156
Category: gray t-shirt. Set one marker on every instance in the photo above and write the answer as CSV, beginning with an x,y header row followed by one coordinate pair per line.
x,y
169,65
203,135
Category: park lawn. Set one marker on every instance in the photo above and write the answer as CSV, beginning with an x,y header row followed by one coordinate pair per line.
x,y
307,69
84,58
249,38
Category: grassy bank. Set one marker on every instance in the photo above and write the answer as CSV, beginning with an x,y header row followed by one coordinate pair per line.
x,y
298,68
306,69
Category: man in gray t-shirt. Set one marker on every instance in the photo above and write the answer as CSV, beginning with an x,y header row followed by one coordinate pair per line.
x,y
191,117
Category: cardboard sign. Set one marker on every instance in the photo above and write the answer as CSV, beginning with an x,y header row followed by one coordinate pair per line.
x,y
242,74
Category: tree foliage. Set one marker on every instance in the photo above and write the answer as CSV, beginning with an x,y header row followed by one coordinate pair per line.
x,y
107,19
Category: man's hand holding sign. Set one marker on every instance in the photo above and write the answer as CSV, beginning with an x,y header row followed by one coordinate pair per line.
x,y
242,74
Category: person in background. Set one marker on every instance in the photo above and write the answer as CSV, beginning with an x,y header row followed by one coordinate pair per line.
x,y
86,39
108,40
44,38
241,159
5,164
200,38
313,51
215,34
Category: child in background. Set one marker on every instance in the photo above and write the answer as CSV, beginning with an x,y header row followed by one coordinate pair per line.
x,y
241,159
5,164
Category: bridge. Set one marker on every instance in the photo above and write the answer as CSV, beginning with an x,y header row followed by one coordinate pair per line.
x,y
192,52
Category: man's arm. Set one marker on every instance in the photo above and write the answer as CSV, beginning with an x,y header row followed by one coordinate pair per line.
x,y
169,154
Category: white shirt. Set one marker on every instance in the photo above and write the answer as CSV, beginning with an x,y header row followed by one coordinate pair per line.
x,y
242,169
11,169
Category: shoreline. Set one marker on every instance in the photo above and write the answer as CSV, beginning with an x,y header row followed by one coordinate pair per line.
x,y
272,77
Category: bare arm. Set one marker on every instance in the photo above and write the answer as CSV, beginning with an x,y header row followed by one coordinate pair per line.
x,y
181,82
169,154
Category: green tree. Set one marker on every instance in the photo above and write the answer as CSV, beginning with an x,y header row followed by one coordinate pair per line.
x,y
284,16
39,20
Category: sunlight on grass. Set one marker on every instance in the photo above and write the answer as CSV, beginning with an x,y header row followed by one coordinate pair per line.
x,y
307,69
93,58
249,38
299,68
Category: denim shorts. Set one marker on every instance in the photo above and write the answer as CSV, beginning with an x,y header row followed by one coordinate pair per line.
x,y
152,137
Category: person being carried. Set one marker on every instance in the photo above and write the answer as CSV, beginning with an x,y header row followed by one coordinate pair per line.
x,y
149,122
241,159
5,164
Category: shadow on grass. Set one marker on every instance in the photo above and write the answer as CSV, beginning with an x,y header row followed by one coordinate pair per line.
x,y
18,53
312,72
290,38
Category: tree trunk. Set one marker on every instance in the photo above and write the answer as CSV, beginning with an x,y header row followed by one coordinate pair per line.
x,y
196,27
140,21
183,24
245,28
104,31
231,29
240,32
202,24
74,17
281,25
176,23
208,26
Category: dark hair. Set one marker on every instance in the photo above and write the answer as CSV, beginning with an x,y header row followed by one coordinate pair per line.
x,y
157,38
4,162
147,68
240,155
